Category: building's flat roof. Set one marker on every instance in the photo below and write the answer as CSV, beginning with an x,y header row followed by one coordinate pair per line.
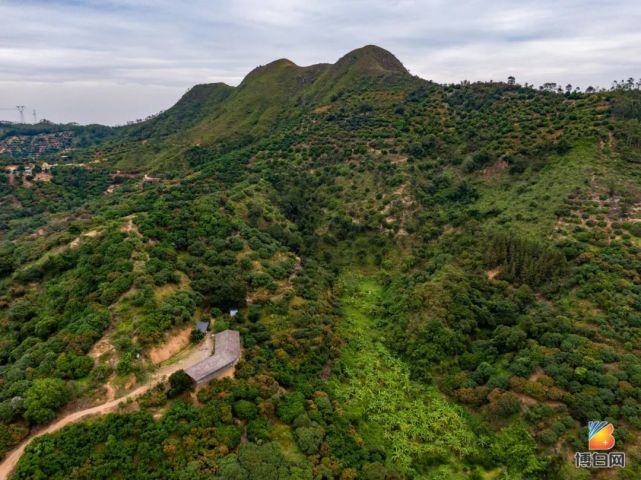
x,y
227,354
202,326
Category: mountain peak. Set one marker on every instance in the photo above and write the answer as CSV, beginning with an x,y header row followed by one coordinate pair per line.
x,y
275,68
371,59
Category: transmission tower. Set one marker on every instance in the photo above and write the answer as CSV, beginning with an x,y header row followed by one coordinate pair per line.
x,y
21,111
35,116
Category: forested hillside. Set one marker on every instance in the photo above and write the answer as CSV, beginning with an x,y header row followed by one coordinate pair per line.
x,y
433,281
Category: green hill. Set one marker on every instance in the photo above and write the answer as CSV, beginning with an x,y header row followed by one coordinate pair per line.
x,y
434,281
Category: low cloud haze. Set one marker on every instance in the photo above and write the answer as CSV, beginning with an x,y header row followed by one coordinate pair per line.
x,y
117,60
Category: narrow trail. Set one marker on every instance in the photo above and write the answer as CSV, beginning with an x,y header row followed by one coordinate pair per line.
x,y
192,357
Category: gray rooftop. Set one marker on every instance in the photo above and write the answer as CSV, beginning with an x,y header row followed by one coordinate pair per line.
x,y
226,355
202,326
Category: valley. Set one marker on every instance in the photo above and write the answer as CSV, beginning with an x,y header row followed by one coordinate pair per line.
x,y
429,280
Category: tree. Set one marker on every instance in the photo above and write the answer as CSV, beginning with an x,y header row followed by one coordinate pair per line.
x,y
254,462
196,336
73,366
507,404
6,259
515,448
179,382
45,396
309,438
223,288
245,410
258,430
292,406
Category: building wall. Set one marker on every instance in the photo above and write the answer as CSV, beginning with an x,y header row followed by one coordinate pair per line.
x,y
215,373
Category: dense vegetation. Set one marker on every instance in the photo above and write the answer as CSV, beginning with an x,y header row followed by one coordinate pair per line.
x,y
46,140
433,281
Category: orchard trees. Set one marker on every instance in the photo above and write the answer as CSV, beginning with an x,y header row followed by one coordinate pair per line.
x,y
44,398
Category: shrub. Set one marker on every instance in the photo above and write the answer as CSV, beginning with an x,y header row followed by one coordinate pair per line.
x,y
179,382
245,410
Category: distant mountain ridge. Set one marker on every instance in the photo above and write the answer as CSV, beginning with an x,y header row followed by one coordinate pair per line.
x,y
209,112
268,96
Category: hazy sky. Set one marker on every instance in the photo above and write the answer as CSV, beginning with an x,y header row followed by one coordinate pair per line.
x,y
116,60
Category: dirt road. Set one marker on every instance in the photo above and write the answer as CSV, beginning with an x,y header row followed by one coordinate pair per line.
x,y
182,361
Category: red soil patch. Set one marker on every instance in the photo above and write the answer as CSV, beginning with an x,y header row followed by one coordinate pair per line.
x,y
491,274
178,340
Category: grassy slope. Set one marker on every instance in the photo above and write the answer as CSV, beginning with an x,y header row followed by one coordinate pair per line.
x,y
405,418
532,200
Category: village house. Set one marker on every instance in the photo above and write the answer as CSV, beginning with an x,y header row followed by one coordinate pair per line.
x,y
226,355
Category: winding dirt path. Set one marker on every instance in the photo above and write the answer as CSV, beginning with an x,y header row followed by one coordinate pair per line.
x,y
189,358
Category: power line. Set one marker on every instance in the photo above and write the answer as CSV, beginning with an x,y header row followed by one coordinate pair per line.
x,y
21,111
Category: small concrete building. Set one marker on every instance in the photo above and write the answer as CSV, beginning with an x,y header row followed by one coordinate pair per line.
x,y
202,326
226,355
